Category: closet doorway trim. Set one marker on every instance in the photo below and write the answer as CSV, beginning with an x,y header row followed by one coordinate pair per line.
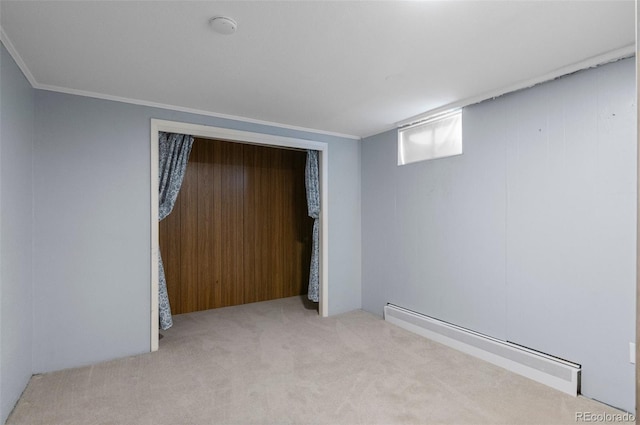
x,y
236,136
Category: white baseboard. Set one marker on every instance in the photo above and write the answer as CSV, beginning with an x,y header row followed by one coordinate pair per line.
x,y
548,370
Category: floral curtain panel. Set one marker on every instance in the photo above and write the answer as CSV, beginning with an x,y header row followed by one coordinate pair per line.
x,y
174,150
312,183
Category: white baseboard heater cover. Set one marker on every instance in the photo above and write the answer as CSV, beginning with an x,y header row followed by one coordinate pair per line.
x,y
556,373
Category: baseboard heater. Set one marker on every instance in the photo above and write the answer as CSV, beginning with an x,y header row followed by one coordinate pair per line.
x,y
554,372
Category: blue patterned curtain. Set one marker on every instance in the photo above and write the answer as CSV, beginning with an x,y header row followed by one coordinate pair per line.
x,y
174,150
312,183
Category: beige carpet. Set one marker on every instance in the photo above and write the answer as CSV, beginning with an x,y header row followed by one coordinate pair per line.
x,y
277,362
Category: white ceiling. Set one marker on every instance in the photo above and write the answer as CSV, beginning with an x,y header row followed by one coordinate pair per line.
x,y
353,68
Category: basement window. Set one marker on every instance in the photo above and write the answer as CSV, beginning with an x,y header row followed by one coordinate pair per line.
x,y
438,136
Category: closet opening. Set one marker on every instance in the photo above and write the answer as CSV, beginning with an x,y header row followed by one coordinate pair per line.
x,y
239,232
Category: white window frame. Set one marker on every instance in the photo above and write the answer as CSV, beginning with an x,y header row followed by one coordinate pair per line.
x,y
402,160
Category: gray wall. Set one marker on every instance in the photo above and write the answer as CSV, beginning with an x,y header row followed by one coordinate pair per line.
x,y
92,231
529,236
16,212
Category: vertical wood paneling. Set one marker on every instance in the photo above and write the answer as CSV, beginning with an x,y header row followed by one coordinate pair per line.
x,y
208,263
188,235
239,232
216,282
268,224
251,189
231,223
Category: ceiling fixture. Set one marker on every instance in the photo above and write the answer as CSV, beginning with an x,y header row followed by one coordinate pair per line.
x,y
223,25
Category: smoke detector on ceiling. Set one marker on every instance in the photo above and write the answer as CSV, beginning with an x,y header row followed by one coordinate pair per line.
x,y
223,25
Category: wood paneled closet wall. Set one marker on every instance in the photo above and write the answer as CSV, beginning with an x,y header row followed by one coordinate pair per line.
x,y
239,231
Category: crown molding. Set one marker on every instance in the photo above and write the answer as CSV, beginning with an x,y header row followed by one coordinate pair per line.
x,y
17,58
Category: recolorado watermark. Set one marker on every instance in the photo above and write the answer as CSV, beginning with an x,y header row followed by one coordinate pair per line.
x,y
595,417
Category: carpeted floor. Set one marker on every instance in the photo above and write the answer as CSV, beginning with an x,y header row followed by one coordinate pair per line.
x,y
277,362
